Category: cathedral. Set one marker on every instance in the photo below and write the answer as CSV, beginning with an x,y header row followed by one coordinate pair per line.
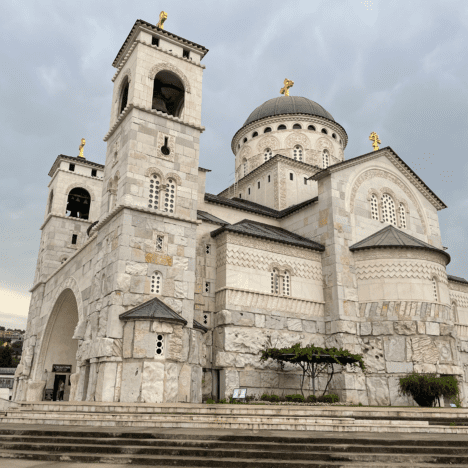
x,y
149,289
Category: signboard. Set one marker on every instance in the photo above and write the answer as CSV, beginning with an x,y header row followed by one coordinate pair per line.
x,y
62,368
49,393
239,393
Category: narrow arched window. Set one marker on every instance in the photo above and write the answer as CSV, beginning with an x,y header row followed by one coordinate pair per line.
x,y
388,209
282,127
298,153
286,284
374,207
170,196
156,283
78,203
51,200
154,188
454,312
274,281
311,127
296,127
325,159
402,216
435,291
268,154
267,130
254,134
245,140
168,93
324,130
124,96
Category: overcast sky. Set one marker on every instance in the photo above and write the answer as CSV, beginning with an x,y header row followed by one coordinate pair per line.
x,y
398,68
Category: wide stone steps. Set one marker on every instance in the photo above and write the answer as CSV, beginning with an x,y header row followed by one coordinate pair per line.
x,y
221,451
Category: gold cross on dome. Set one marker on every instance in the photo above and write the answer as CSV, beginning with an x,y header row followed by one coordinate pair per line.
x,y
162,18
375,139
287,84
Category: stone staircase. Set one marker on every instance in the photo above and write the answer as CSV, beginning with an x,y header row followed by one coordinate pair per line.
x,y
231,449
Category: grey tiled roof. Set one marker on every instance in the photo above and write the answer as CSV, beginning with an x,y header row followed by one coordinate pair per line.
x,y
153,309
203,215
252,207
199,326
75,160
390,236
457,279
273,233
287,105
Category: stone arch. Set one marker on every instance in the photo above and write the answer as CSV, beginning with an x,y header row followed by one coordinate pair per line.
x,y
127,74
169,67
154,171
173,175
370,173
268,142
297,139
83,186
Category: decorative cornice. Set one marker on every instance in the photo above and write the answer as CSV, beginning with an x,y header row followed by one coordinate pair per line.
x,y
55,215
289,118
100,179
131,106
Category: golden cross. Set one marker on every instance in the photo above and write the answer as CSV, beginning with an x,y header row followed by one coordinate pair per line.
x,y
162,18
375,139
287,84
83,142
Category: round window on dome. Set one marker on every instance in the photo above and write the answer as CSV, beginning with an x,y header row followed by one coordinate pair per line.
x,y
268,129
282,127
297,127
245,140
311,127
254,134
334,136
324,130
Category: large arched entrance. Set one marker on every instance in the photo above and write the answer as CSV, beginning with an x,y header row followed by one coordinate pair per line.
x,y
58,354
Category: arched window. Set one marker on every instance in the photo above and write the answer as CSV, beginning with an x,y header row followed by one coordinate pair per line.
x,y
388,209
298,153
168,93
296,127
124,96
435,291
245,140
156,283
334,136
286,284
153,196
374,207
51,200
274,282
267,130
254,134
454,312
170,196
268,154
324,130
282,127
325,159
402,216
78,203
311,127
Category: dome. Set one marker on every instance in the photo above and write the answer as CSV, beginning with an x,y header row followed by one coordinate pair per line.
x,y
287,105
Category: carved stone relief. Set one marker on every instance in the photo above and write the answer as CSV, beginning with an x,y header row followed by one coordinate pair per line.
x,y
297,139
268,142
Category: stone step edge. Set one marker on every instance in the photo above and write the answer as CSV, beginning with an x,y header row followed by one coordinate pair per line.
x,y
256,426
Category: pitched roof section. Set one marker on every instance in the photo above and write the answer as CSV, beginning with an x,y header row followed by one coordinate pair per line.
x,y
163,33
205,216
153,309
75,160
457,279
273,233
390,236
245,205
397,161
199,326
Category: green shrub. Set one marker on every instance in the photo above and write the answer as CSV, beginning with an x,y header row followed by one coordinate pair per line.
x,y
427,388
223,401
297,398
332,398
272,398
210,401
312,399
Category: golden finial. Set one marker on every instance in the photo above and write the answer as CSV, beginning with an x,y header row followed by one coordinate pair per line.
x,y
162,18
375,139
287,84
83,142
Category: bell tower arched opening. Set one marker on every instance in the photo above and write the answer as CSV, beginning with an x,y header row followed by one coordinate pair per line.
x,y
168,93
124,96
78,203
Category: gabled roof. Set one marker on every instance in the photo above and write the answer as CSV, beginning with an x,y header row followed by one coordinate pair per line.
x,y
245,205
397,161
199,326
273,233
457,279
153,309
390,236
205,216
75,160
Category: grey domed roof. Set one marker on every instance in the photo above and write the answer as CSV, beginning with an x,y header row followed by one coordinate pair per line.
x,y
288,105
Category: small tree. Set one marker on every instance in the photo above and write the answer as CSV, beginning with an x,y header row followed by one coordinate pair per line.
x,y
6,357
313,360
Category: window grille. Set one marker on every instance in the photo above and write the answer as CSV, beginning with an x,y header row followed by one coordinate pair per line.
x,y
156,283
268,154
388,209
274,282
154,188
298,153
160,346
325,159
374,208
402,216
245,167
169,198
434,289
159,243
286,284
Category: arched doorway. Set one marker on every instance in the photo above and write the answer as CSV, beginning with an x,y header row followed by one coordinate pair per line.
x,y
58,354
168,93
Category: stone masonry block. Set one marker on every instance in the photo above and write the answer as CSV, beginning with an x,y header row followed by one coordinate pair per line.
x,y
382,328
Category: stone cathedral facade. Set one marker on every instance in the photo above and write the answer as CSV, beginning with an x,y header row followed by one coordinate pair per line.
x,y
149,289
